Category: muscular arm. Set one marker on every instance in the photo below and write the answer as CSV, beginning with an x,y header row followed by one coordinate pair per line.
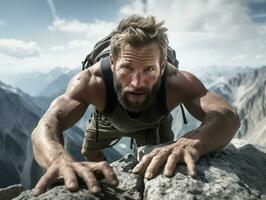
x,y
48,143
220,120
63,113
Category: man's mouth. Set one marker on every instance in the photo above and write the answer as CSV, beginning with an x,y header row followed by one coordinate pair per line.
x,y
136,96
137,93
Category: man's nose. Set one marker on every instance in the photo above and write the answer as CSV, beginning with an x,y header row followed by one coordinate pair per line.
x,y
137,80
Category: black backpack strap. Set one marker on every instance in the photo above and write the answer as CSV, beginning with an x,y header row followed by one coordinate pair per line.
x,y
183,114
111,97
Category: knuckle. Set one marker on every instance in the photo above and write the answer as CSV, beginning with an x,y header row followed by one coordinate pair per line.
x,y
146,157
103,164
158,156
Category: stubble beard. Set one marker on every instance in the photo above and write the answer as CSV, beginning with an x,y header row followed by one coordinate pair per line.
x,y
137,106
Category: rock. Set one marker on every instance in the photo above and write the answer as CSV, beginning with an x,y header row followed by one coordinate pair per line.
x,y
11,192
236,172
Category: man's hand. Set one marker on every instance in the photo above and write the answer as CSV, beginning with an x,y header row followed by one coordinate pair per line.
x,y
185,150
69,170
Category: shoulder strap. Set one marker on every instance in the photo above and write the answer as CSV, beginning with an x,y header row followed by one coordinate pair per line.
x,y
111,97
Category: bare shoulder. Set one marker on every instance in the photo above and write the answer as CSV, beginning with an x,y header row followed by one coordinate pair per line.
x,y
87,86
182,86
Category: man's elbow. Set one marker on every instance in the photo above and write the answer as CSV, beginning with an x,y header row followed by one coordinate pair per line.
x,y
232,117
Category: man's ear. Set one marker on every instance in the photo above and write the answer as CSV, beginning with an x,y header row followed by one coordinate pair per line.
x,y
163,65
112,62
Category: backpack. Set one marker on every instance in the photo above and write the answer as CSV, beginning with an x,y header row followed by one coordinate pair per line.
x,y
101,50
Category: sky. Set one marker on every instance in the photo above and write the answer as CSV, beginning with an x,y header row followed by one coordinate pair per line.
x,y
38,35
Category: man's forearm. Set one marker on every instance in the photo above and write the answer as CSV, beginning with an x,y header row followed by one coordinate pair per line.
x,y
217,130
48,144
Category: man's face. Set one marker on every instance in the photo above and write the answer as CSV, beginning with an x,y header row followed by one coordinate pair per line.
x,y
137,76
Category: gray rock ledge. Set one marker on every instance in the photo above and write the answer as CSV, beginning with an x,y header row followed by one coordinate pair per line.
x,y
236,172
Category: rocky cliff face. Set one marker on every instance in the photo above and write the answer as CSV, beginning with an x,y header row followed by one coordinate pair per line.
x,y
237,172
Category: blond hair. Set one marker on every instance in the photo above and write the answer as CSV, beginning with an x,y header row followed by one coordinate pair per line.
x,y
139,31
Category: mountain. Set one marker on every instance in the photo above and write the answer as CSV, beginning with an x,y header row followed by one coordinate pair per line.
x,y
58,85
18,116
247,92
34,82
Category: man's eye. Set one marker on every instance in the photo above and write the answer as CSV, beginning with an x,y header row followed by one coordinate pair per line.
x,y
127,67
148,69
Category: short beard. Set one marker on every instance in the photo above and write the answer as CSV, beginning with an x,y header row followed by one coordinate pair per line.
x,y
135,107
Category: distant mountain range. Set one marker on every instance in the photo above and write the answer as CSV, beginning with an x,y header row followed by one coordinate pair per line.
x,y
35,82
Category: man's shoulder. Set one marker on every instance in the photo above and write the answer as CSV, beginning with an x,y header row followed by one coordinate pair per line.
x,y
87,85
183,85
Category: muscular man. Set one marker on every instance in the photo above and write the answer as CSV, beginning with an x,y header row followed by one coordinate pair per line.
x,y
136,102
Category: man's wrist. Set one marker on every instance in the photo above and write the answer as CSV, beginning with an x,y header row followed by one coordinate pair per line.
x,y
62,156
196,140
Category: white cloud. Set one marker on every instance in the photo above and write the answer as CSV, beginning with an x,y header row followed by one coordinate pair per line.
x,y
135,7
18,48
58,48
79,44
95,30
2,23
74,44
259,56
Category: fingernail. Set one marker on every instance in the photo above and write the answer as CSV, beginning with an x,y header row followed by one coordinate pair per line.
x,y
115,182
168,173
135,169
148,175
36,192
95,189
72,185
193,173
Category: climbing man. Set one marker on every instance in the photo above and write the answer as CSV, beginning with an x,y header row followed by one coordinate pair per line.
x,y
133,88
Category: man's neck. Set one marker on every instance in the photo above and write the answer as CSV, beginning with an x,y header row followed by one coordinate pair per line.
x,y
133,114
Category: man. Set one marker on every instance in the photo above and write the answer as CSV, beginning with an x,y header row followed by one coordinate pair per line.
x,y
143,90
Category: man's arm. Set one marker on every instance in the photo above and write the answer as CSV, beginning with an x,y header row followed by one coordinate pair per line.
x,y
220,122
48,143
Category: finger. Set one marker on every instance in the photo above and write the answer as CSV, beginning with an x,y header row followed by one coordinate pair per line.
x,y
109,173
155,163
88,177
142,165
190,164
46,180
70,178
171,163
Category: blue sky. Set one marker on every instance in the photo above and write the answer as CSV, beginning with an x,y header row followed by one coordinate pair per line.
x,y
43,34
